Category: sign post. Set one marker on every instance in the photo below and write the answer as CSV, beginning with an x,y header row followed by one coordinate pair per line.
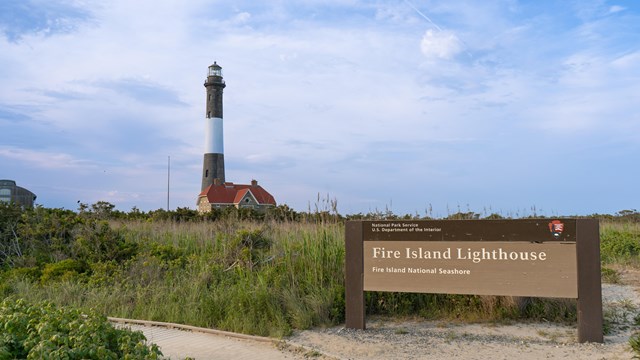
x,y
533,257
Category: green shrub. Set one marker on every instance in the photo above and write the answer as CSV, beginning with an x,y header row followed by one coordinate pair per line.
x,y
97,241
30,273
169,254
68,269
10,247
619,245
46,234
42,331
105,273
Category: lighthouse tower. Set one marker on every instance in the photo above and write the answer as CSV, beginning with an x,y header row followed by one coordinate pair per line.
x,y
213,167
216,192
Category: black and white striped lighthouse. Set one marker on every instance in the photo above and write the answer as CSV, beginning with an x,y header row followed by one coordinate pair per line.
x,y
213,167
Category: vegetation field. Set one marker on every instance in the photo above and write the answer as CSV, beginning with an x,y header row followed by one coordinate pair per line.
x,y
264,274
43,331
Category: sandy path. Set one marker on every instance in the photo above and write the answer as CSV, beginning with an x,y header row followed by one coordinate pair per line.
x,y
416,339
179,344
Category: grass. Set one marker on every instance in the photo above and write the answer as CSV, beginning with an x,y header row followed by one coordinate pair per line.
x,y
250,277
609,275
260,277
620,243
619,314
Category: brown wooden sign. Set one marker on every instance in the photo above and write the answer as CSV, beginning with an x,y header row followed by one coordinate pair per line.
x,y
533,257
501,268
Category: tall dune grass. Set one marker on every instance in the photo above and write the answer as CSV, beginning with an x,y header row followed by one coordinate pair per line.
x,y
259,277
247,277
620,243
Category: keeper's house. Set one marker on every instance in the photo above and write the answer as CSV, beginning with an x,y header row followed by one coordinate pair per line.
x,y
11,193
222,195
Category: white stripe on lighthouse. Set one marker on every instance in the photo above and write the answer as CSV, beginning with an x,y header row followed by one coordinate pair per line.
x,y
213,139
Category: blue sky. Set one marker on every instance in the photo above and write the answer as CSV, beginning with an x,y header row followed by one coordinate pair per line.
x,y
414,106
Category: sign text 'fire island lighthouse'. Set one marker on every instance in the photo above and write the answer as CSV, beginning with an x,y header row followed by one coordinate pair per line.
x,y
215,191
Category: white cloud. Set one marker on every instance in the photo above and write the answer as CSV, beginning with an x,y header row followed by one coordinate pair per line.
x,y
628,62
440,44
44,159
241,18
616,8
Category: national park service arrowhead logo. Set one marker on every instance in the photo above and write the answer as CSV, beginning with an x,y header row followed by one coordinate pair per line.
x,y
556,227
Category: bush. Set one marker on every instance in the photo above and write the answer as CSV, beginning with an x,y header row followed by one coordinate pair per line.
x,y
10,247
29,273
42,331
619,245
46,234
8,279
63,270
97,241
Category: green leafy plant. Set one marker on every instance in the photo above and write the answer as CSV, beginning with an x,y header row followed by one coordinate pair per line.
x,y
43,331
619,244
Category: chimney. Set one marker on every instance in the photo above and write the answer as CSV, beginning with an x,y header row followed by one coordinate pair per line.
x,y
254,183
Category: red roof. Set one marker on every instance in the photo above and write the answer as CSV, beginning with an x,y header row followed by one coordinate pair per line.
x,y
230,193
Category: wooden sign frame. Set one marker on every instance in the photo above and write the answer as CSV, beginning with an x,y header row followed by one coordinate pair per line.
x,y
431,246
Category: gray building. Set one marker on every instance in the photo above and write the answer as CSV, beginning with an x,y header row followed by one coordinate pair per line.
x,y
11,193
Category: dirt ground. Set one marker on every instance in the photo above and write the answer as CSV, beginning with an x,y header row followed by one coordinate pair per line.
x,y
418,339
